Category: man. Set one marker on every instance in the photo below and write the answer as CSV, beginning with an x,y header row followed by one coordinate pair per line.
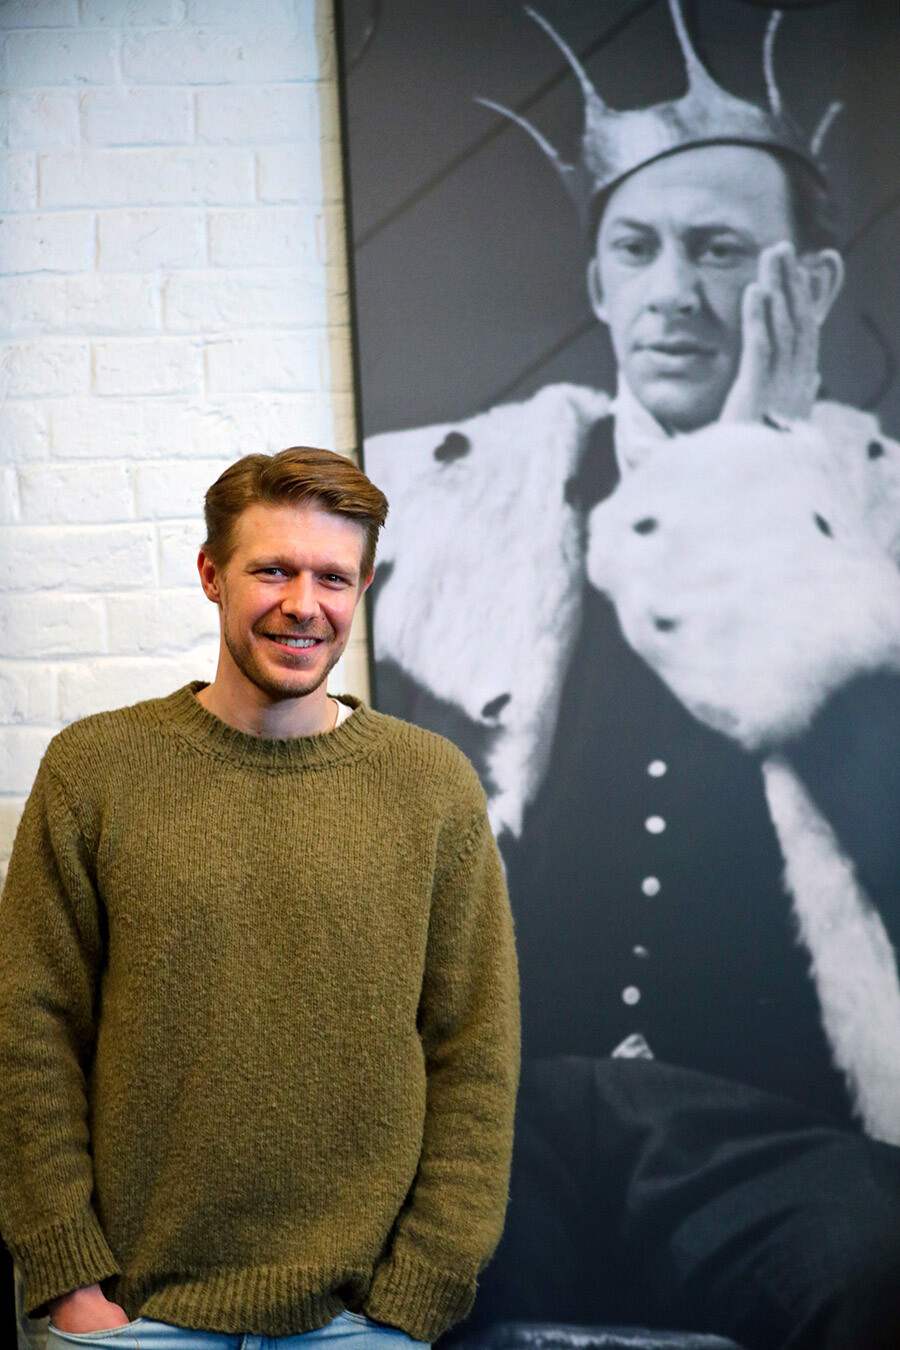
x,y
258,1019
678,675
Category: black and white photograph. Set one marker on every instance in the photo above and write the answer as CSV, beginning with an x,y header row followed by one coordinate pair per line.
x,y
627,332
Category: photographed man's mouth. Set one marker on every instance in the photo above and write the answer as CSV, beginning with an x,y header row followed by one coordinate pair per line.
x,y
677,347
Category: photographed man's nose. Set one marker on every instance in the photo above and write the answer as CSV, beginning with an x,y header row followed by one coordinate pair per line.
x,y
673,283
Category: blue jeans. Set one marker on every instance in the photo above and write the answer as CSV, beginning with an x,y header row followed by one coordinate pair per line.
x,y
348,1331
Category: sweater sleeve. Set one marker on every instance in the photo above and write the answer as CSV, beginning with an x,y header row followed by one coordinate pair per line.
x,y
51,953
469,1026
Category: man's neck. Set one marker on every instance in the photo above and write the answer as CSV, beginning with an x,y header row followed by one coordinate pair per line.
x,y
252,712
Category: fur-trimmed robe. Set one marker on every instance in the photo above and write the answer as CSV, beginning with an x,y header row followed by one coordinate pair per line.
x,y
754,568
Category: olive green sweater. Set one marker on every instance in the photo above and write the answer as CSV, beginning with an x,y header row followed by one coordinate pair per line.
x,y
258,1023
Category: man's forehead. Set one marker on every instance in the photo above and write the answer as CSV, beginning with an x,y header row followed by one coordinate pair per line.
x,y
289,526
705,186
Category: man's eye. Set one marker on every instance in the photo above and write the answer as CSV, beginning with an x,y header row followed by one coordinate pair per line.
x,y
271,572
723,252
632,248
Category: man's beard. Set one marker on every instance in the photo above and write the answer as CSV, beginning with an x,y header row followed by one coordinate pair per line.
x,y
242,656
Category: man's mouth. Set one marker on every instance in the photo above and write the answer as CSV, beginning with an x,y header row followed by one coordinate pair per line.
x,y
298,643
677,347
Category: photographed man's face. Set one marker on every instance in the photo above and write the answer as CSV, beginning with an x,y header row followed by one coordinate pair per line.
x,y
678,243
287,595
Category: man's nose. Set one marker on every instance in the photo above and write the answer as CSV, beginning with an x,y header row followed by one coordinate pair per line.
x,y
299,598
673,283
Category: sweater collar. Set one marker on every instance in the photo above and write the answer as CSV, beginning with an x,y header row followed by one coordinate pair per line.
x,y
182,715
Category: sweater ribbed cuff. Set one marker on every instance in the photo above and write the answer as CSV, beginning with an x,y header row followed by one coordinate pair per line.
x,y
422,1301
71,1254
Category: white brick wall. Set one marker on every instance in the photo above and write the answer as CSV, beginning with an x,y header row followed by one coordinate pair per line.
x,y
172,295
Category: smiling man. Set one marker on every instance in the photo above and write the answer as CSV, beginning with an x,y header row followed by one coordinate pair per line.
x,y
258,1014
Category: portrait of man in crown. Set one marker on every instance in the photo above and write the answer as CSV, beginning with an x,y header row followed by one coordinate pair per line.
x,y
661,612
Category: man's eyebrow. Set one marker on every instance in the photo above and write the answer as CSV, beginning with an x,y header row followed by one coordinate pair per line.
x,y
269,560
630,224
704,227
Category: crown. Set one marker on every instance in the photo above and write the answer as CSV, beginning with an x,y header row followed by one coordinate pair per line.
x,y
615,142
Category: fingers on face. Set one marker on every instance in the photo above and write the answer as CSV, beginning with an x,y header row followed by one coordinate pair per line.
x,y
757,341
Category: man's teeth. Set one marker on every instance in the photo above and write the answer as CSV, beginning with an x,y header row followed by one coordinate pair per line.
x,y
297,642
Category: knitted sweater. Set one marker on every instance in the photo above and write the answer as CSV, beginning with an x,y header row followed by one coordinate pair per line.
x,y
258,1023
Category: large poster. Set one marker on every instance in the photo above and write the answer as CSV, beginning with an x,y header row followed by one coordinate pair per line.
x,y
627,336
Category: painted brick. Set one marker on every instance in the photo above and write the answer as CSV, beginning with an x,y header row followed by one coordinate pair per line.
x,y
147,366
10,814
143,428
24,432
136,116
77,304
47,243
264,237
18,182
10,508
278,361
125,428
86,494
179,543
34,557
39,58
146,177
343,436
21,751
91,687
235,12
45,625
249,55
27,695
212,301
331,238
127,13
50,368
43,119
289,173
39,14
173,489
336,359
257,114
161,621
133,241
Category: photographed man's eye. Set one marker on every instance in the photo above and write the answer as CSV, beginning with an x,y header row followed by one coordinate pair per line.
x,y
723,252
633,248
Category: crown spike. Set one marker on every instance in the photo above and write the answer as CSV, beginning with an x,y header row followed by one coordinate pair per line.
x,y
587,88
825,124
550,151
769,63
696,70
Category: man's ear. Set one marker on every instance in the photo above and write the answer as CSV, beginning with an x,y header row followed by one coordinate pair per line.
x,y
366,584
595,291
209,577
825,269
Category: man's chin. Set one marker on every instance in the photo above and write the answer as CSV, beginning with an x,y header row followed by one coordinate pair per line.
x,y
678,406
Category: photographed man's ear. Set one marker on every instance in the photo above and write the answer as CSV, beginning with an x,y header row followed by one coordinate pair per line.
x,y
825,269
595,291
